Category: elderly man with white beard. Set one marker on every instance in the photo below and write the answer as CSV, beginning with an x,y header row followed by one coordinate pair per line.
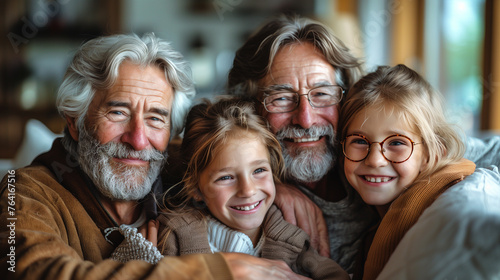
x,y
123,98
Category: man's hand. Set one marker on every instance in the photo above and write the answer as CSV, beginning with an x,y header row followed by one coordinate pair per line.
x,y
247,267
299,210
150,231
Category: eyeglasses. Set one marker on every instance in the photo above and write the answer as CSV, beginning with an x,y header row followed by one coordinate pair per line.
x,y
284,101
395,148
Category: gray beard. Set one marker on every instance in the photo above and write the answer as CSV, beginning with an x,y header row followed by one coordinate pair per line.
x,y
310,164
115,180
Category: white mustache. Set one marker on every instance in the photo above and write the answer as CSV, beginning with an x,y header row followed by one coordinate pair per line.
x,y
120,150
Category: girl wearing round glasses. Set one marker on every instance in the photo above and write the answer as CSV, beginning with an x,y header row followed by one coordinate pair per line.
x,y
400,154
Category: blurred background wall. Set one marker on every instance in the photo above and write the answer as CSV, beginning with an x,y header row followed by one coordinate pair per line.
x,y
452,43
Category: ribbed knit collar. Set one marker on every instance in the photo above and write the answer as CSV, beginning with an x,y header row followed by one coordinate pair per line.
x,y
224,239
405,211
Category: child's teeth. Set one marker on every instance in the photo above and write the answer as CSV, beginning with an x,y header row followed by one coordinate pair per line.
x,y
246,208
377,179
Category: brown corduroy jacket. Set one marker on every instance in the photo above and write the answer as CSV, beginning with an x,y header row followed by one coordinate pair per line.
x,y
58,230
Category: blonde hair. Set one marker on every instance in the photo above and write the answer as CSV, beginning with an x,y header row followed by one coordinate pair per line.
x,y
412,99
208,127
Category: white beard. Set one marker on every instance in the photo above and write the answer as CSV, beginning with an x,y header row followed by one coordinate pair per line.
x,y
115,180
308,165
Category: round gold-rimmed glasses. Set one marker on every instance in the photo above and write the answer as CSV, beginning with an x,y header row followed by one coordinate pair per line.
x,y
395,148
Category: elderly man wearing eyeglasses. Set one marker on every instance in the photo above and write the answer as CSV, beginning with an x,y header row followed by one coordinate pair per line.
x,y
296,71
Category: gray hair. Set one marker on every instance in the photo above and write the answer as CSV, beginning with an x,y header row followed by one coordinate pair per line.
x,y
254,59
95,67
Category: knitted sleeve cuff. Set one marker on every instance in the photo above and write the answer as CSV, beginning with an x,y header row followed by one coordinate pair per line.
x,y
135,247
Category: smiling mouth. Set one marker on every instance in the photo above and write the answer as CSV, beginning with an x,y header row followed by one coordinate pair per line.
x,y
247,208
377,179
303,140
132,161
132,158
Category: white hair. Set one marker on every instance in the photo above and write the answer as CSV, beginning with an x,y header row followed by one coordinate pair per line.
x,y
95,67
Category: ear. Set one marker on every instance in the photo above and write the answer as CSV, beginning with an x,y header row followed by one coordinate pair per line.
x,y
72,128
198,196
198,201
425,161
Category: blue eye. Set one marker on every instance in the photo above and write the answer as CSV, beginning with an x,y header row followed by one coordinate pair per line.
x,y
223,178
397,143
359,141
116,115
259,170
319,93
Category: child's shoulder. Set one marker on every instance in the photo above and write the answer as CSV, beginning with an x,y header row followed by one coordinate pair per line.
x,y
181,219
276,228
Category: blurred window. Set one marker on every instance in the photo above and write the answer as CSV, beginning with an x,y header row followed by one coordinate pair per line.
x,y
453,38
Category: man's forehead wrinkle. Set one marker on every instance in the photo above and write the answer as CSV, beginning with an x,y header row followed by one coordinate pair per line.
x,y
126,89
310,68
139,93
317,77
134,81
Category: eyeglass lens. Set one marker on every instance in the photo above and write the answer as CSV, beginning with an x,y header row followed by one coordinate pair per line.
x,y
396,148
281,101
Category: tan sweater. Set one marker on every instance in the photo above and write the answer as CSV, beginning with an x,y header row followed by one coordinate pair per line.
x,y
59,230
187,234
405,211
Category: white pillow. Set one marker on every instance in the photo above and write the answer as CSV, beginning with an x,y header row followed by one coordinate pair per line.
x,y
37,139
457,237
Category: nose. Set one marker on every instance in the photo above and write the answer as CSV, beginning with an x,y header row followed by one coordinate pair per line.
x,y
304,114
135,134
375,157
247,188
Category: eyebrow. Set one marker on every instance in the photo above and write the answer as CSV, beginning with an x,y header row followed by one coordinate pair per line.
x,y
255,162
322,83
387,134
261,161
230,168
289,87
161,111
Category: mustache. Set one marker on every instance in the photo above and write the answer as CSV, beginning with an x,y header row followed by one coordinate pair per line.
x,y
120,181
299,132
120,150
